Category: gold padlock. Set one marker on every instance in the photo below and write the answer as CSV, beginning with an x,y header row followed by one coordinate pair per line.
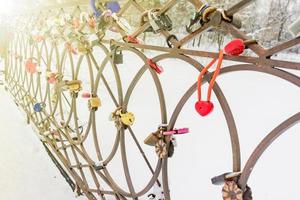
x,y
151,140
74,86
94,103
82,48
127,118
83,45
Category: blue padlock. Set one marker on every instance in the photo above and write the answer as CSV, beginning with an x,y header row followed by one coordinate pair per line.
x,y
114,6
38,107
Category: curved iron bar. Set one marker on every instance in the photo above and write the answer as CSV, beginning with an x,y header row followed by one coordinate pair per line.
x,y
264,145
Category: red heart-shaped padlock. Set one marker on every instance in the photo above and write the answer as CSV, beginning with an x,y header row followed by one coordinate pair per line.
x,y
204,107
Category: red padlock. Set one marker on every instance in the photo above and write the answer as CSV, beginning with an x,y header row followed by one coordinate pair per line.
x,y
235,47
204,107
131,39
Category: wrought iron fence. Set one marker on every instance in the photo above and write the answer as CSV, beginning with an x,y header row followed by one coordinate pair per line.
x,y
56,61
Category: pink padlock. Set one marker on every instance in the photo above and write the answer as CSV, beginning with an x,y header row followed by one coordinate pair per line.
x,y
180,131
86,95
52,78
30,66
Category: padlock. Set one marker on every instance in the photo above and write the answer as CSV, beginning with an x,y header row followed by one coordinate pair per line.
x,y
176,132
219,180
38,107
127,118
171,149
82,48
151,140
155,66
120,119
31,66
86,95
295,28
159,22
113,6
52,77
74,136
94,103
131,39
99,165
74,86
167,22
117,57
103,23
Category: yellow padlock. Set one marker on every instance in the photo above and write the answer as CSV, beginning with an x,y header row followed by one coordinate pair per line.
x,y
74,86
127,118
82,48
94,103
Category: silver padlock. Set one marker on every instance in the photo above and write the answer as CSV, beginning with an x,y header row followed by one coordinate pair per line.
x,y
295,28
99,166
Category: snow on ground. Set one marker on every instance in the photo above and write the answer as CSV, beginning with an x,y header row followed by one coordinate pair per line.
x,y
259,103
26,172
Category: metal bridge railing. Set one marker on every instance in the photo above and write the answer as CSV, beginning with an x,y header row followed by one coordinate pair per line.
x,y
56,62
